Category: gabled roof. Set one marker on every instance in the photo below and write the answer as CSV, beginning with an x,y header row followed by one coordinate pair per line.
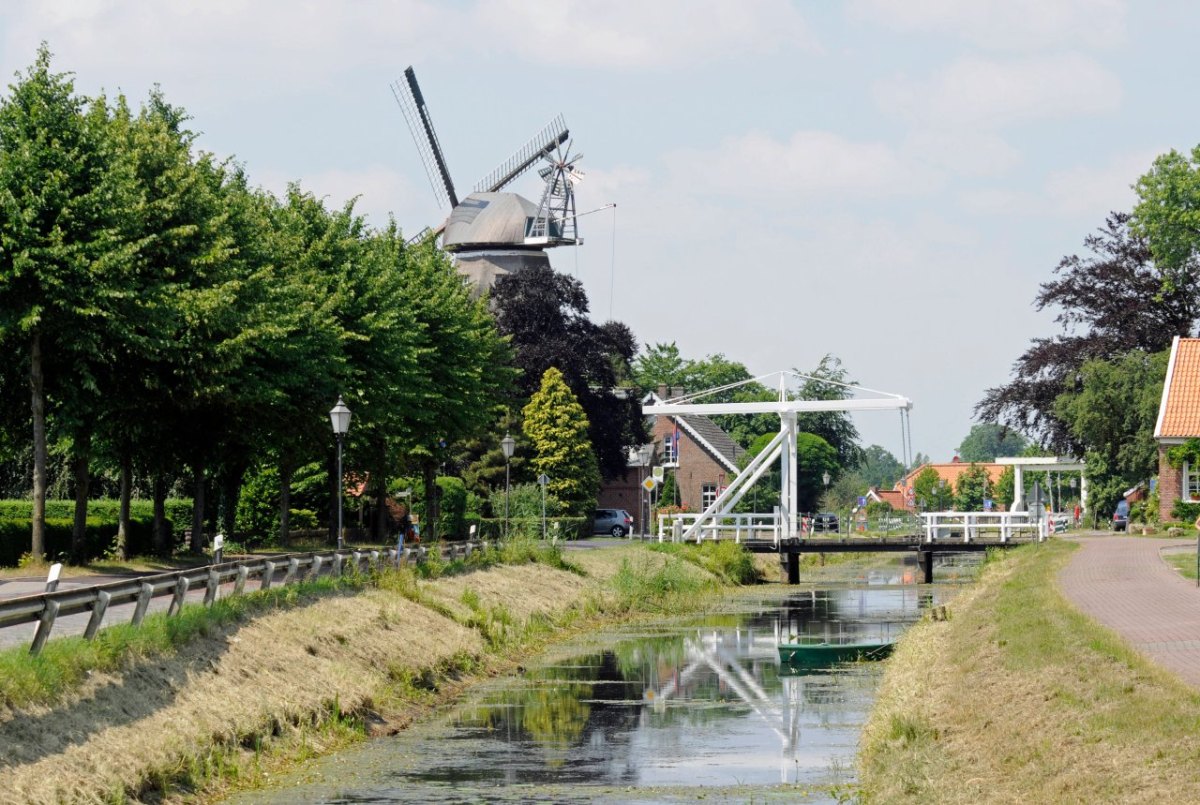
x,y
1179,410
709,436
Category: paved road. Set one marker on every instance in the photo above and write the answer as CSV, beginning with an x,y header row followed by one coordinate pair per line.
x,y
1124,583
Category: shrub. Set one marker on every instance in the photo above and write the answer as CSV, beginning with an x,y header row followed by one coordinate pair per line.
x,y
1185,511
454,507
99,537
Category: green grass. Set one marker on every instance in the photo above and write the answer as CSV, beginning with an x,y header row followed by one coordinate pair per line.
x,y
65,663
726,560
1068,710
1185,563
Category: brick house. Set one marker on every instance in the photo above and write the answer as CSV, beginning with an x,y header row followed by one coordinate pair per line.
x,y
701,456
625,491
1178,421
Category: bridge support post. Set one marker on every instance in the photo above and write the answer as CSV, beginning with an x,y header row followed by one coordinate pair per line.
x,y
927,565
789,566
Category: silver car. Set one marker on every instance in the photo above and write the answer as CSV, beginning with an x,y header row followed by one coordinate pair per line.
x,y
617,522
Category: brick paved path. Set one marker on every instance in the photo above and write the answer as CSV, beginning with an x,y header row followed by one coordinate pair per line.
x,y
1124,584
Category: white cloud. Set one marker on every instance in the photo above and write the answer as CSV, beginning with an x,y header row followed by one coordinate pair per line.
x,y
1004,24
808,164
1097,190
627,34
983,93
963,153
1084,191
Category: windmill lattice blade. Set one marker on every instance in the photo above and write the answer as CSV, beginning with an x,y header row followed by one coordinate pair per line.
x,y
420,125
542,144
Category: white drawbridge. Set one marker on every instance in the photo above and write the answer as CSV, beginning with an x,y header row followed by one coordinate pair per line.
x,y
782,447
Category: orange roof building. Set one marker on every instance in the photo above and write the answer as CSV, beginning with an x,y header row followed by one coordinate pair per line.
x,y
1178,421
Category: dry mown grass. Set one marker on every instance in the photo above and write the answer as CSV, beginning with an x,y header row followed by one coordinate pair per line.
x,y
1019,698
128,732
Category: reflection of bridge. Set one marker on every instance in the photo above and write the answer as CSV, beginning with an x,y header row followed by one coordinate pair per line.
x,y
731,657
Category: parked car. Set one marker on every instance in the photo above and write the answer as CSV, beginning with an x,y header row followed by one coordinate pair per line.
x,y
617,522
1120,521
825,522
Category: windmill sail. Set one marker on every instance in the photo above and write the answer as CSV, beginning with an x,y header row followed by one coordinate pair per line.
x,y
420,125
554,134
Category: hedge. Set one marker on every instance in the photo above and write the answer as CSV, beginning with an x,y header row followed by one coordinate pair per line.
x,y
179,511
493,527
99,537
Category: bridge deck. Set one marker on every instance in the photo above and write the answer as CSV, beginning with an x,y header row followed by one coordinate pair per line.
x,y
878,545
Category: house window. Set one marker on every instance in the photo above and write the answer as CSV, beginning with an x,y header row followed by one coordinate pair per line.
x,y
1191,482
708,496
671,448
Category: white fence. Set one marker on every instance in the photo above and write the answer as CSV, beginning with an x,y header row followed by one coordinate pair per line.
x,y
736,527
971,526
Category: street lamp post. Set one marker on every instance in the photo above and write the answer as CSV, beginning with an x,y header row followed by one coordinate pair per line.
x,y
508,444
340,417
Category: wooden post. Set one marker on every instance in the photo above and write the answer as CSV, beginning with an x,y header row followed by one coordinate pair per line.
x,y
143,601
181,588
927,565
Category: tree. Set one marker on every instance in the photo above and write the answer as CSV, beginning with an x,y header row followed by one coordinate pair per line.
x,y
879,468
931,492
544,314
1113,416
56,188
1167,215
1005,486
988,441
557,427
814,458
828,381
1110,302
971,489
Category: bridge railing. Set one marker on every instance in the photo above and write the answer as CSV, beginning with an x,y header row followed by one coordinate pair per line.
x,y
44,608
972,526
736,527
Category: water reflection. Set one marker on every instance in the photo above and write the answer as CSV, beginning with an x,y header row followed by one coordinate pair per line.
x,y
704,703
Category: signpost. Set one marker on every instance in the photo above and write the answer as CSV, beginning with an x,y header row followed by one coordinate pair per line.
x,y
542,480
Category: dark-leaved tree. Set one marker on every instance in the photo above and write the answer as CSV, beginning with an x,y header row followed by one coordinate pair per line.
x,y
1110,302
544,313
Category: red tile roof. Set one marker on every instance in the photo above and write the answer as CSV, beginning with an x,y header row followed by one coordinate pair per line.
x,y
1179,412
950,472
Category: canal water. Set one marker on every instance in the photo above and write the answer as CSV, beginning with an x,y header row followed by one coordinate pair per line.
x,y
700,707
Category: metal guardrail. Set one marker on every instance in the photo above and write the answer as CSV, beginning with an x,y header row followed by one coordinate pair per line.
x,y
44,608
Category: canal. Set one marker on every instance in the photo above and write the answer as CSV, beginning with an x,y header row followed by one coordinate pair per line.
x,y
694,708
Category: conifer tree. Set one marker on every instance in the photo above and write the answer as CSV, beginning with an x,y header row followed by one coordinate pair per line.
x,y
557,427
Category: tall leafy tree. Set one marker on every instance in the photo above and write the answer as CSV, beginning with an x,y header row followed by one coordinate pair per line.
x,y
55,225
1167,215
931,492
988,441
879,468
829,381
557,427
1113,414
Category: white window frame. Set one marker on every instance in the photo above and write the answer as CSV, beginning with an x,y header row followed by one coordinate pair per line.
x,y
670,448
708,496
1190,482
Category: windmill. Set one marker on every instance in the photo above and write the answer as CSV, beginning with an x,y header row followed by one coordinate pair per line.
x,y
493,232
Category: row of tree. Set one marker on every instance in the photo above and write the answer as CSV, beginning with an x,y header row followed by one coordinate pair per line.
x,y
168,315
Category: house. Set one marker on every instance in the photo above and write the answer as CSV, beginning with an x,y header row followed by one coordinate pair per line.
x,y
626,491
1178,421
948,472
701,457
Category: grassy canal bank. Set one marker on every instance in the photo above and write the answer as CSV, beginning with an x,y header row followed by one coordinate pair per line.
x,y
1017,697
191,707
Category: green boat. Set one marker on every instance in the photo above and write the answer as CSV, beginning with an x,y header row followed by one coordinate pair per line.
x,y
825,655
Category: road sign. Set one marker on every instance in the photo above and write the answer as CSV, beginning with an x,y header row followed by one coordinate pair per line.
x,y
987,504
862,500
649,484
543,479
659,473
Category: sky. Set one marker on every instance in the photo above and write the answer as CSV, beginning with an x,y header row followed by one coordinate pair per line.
x,y
886,181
